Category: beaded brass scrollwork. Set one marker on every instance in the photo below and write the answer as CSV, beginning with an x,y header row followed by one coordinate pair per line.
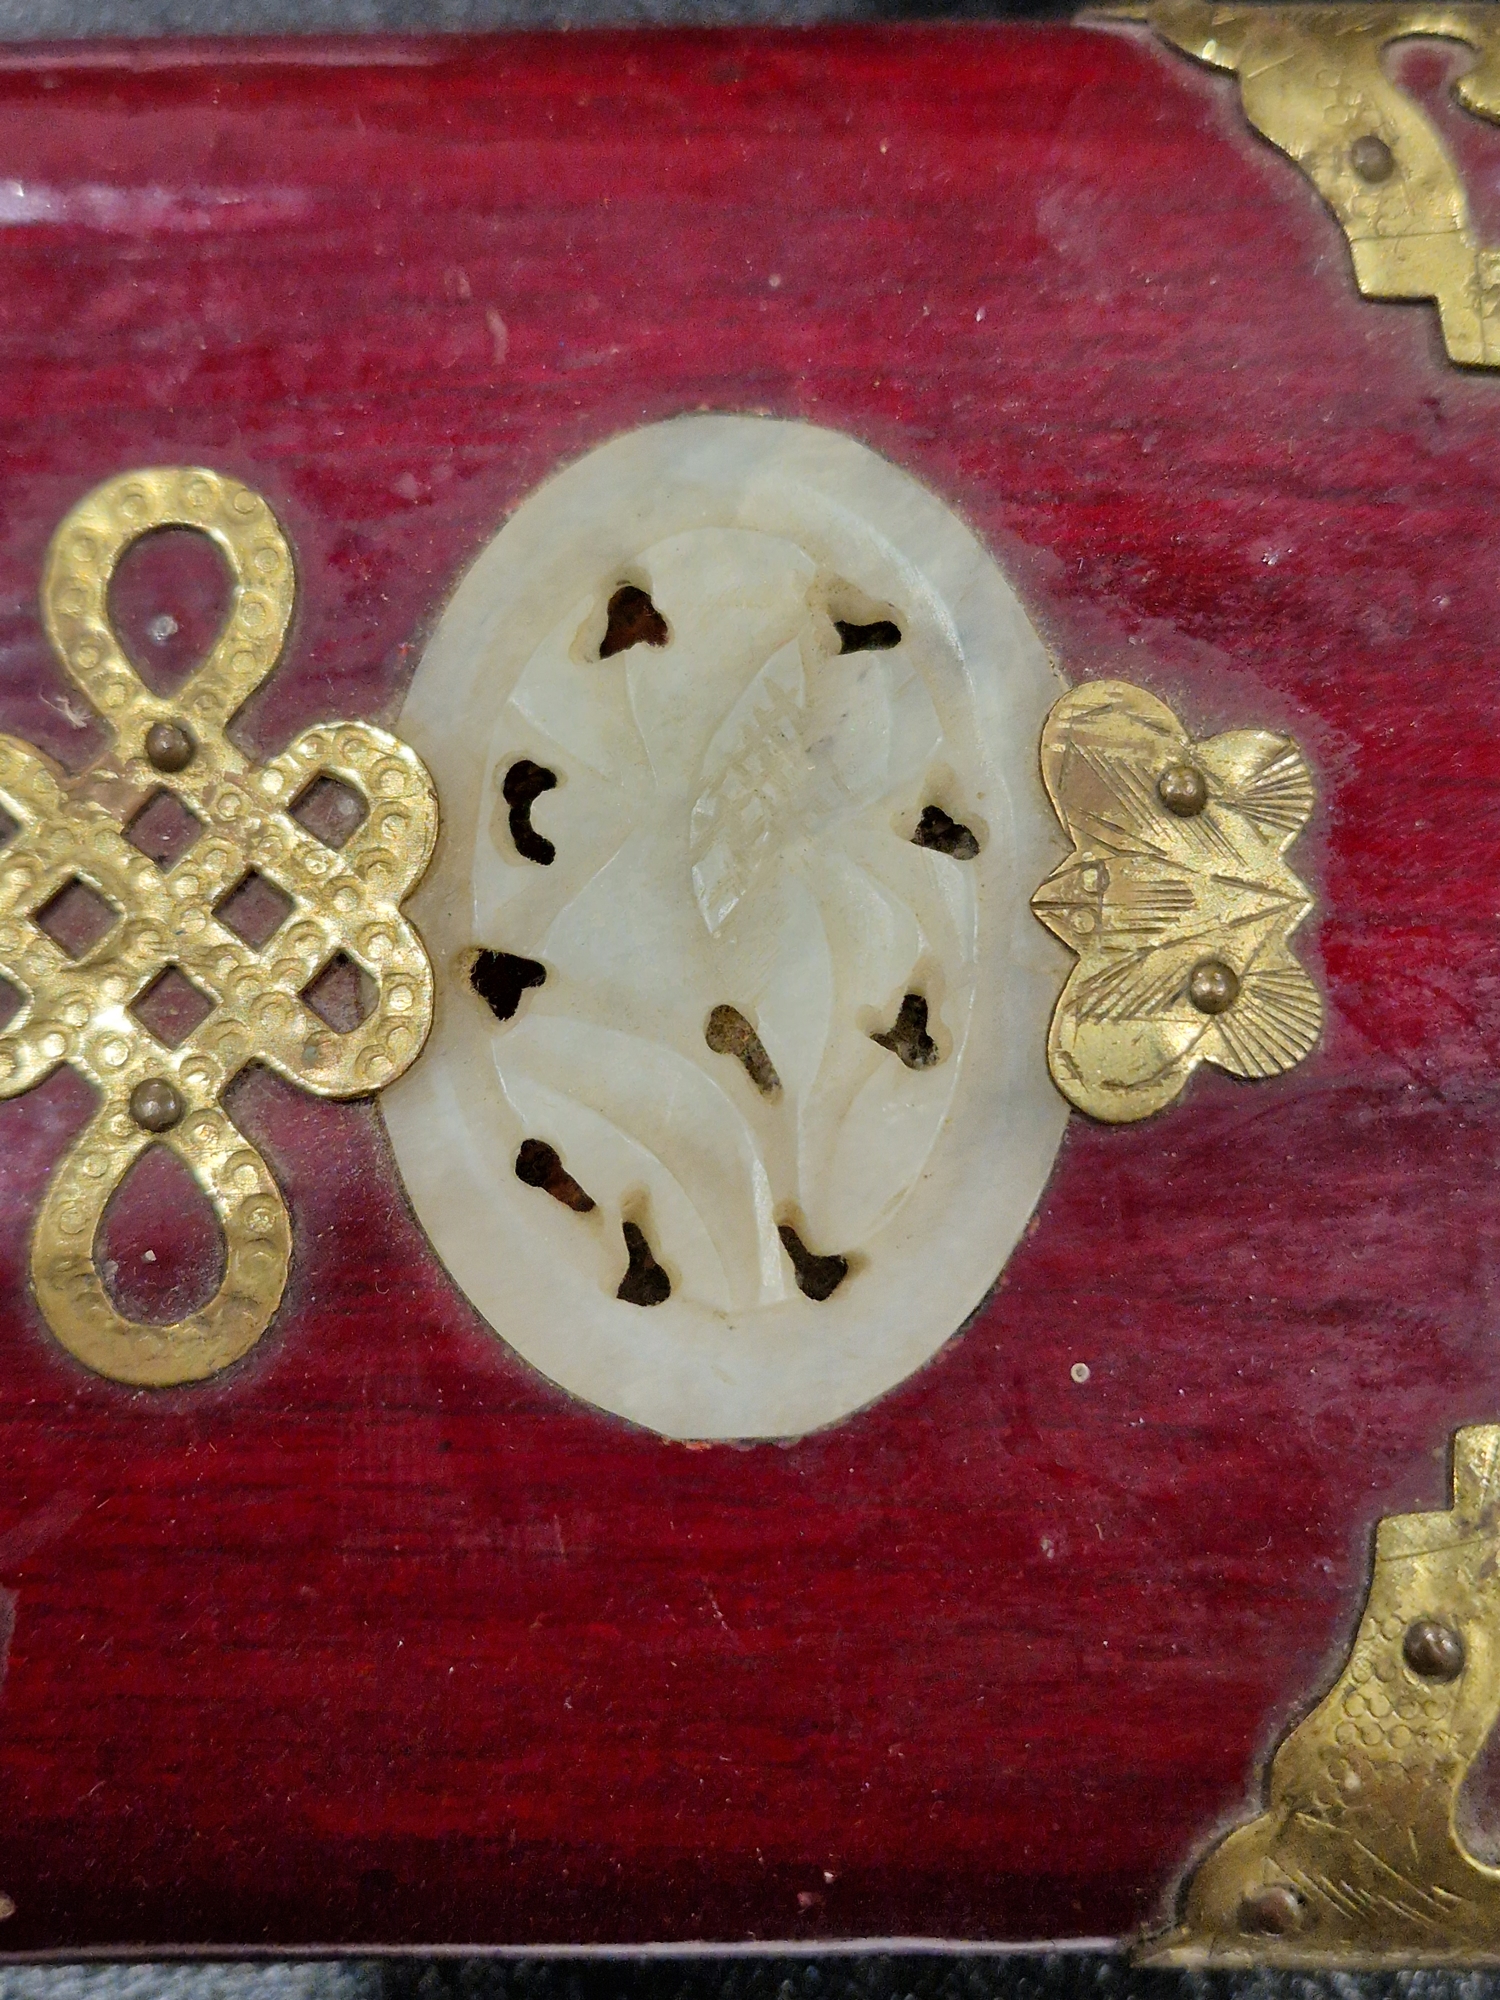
x,y
72,828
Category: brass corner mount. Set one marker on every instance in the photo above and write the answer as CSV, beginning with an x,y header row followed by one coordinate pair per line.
x,y
1312,81
1357,1860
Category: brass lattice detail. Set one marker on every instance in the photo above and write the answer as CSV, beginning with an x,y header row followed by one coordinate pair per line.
x,y
70,828
1177,900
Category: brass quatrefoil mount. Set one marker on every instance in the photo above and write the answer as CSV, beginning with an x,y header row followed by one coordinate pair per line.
x,y
1177,899
71,828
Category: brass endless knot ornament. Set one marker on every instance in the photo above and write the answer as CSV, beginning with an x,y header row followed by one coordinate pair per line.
x,y
1357,1860
72,829
1312,81
1176,899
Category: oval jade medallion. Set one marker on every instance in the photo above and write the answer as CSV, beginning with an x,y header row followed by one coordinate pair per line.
x,y
736,1100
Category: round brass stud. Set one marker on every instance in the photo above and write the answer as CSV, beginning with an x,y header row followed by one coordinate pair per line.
x,y
1213,986
155,1105
1372,159
1271,1912
1183,790
1433,1650
169,747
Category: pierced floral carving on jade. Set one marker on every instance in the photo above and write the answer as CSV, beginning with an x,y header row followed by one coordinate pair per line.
x,y
737,1099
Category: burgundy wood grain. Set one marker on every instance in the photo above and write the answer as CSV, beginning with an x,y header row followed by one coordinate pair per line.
x,y
380,1638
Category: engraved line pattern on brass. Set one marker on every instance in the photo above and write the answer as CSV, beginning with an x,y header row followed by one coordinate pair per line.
x,y
1311,82
1357,1860
1176,899
71,828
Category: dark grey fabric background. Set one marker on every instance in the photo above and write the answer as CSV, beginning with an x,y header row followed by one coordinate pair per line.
x,y
1056,1976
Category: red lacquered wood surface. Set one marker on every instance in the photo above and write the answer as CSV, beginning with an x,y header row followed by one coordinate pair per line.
x,y
381,1639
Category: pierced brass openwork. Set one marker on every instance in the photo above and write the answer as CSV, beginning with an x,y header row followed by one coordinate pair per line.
x,y
1177,900
71,829
1312,82
1357,1859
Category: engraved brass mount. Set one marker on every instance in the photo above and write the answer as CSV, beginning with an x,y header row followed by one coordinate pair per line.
x,y
1176,898
1357,1859
1312,82
72,829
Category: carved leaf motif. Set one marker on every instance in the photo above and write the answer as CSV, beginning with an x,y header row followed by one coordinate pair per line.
x,y
757,770
738,842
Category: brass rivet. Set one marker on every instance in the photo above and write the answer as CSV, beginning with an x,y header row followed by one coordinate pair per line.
x,y
1372,159
155,1105
1432,1650
1213,986
1273,1911
168,746
1183,790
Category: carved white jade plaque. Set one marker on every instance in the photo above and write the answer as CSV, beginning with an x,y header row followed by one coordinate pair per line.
x,y
736,1099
